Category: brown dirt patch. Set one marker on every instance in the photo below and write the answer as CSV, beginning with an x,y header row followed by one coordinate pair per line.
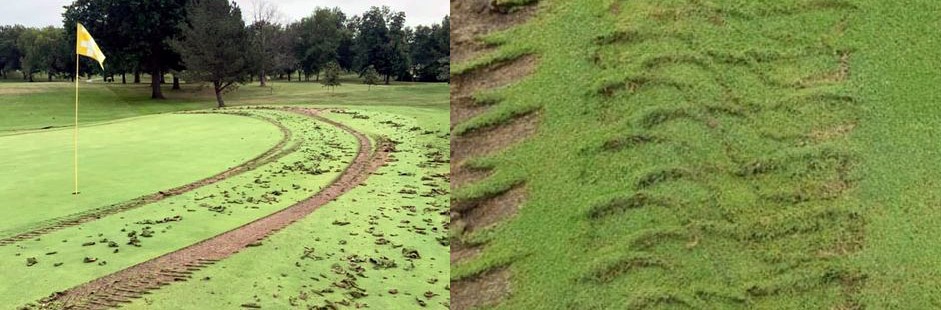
x,y
495,75
464,108
273,154
463,87
486,289
461,252
461,175
495,209
474,18
133,282
826,134
492,139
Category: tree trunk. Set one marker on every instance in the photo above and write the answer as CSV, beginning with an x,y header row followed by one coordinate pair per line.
x,y
289,76
387,79
218,88
49,75
136,76
176,82
156,92
263,78
123,78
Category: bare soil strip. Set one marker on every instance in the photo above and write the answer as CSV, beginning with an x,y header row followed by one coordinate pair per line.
x,y
463,87
49,226
135,281
476,18
486,289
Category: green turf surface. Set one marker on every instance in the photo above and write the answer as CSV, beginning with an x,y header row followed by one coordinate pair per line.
x,y
205,212
896,71
38,105
119,161
702,154
341,237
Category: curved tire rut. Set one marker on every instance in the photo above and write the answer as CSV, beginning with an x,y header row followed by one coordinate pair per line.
x,y
49,226
133,282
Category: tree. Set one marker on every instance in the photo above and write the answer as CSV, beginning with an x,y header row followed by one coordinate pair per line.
x,y
133,33
399,36
444,73
214,44
372,42
10,53
39,48
370,77
264,38
331,75
429,45
319,37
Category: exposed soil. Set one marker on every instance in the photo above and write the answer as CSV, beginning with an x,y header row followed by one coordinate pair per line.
x,y
483,290
463,87
495,209
135,281
492,139
475,18
461,252
461,174
273,154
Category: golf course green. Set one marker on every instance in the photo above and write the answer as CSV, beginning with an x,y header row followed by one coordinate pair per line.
x,y
176,149
277,158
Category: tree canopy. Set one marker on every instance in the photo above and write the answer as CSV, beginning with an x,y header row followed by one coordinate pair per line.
x,y
138,37
214,44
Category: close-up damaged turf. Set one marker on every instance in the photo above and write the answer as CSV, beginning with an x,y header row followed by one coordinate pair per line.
x,y
724,154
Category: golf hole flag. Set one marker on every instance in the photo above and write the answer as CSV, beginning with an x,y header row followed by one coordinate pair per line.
x,y
84,46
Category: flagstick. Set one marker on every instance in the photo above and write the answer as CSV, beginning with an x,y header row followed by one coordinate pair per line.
x,y
75,134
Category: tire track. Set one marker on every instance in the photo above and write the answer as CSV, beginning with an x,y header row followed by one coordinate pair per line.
x,y
135,281
49,226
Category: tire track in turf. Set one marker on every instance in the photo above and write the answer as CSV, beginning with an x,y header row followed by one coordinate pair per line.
x,y
135,281
49,226
475,19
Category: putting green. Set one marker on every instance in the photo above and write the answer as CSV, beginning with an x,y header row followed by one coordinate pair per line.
x,y
119,161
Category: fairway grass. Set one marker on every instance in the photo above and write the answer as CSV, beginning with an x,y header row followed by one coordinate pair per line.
x,y
119,161
331,257
179,221
29,106
896,72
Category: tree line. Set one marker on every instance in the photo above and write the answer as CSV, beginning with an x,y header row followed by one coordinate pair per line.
x,y
208,41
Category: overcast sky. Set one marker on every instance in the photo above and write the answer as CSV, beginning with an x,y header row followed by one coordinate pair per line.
x,y
40,13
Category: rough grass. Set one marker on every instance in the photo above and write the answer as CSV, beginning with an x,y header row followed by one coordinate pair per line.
x,y
52,104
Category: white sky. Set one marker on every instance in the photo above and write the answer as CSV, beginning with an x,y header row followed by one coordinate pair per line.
x,y
38,13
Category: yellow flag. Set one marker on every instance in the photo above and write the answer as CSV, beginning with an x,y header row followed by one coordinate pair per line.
x,y
85,45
